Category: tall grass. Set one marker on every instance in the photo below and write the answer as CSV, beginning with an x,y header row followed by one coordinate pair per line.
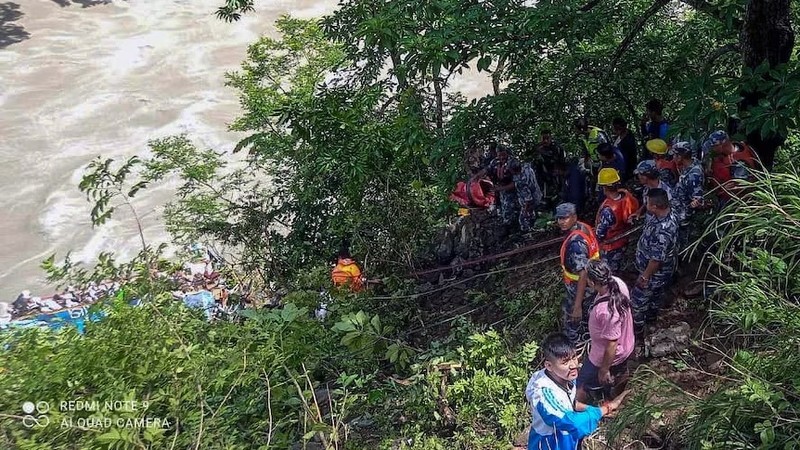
x,y
752,251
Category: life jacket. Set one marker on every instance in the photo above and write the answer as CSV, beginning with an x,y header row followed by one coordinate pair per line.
x,y
480,192
622,208
721,165
586,233
596,137
477,194
347,272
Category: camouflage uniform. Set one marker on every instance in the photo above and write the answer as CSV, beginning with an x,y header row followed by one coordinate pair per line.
x,y
614,258
689,187
661,185
667,176
576,258
529,196
658,243
501,175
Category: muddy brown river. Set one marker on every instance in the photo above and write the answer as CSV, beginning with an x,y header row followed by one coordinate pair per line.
x,y
83,78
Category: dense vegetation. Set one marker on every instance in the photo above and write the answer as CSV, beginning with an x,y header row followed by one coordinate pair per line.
x,y
353,134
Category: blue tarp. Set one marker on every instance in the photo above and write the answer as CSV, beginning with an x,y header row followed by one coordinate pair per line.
x,y
201,300
57,319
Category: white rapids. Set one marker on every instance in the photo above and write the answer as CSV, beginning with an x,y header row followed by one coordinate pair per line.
x,y
78,80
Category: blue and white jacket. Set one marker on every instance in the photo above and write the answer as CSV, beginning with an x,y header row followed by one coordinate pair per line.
x,y
556,424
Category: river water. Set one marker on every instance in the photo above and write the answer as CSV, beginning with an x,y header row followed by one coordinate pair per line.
x,y
85,78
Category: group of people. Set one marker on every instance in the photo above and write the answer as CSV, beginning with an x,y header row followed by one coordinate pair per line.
x,y
663,183
26,304
597,303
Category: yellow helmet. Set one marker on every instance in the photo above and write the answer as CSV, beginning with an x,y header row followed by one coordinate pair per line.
x,y
607,176
657,146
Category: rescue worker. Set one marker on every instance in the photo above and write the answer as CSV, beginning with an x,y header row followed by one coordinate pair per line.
x,y
529,195
578,248
649,178
731,161
347,273
656,259
626,144
549,154
477,192
573,189
688,193
612,218
503,179
610,156
590,139
658,149
654,125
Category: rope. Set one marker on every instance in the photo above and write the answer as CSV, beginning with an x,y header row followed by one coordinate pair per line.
x,y
448,286
491,257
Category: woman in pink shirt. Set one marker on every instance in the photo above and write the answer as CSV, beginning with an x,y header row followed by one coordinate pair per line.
x,y
610,332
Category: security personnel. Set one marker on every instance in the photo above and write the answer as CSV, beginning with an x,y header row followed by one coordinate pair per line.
x,y
650,178
578,248
347,273
658,150
590,137
656,259
502,172
687,196
612,217
732,161
529,195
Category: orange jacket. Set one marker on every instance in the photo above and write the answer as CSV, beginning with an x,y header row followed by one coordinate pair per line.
x,y
586,233
347,272
476,193
721,166
622,209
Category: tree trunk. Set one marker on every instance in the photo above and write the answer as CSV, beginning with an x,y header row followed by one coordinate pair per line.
x,y
437,87
498,73
766,35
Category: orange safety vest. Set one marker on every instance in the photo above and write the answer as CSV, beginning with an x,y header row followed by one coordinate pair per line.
x,y
666,164
347,272
480,193
622,209
721,165
587,234
473,193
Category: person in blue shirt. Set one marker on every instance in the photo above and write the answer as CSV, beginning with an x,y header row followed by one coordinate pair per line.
x,y
654,125
611,158
560,422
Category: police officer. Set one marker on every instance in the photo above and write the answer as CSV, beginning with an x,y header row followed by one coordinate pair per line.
x,y
502,172
650,178
578,248
731,163
688,193
612,218
656,258
666,168
529,194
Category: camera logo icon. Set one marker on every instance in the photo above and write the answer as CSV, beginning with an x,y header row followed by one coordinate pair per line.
x,y
40,419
